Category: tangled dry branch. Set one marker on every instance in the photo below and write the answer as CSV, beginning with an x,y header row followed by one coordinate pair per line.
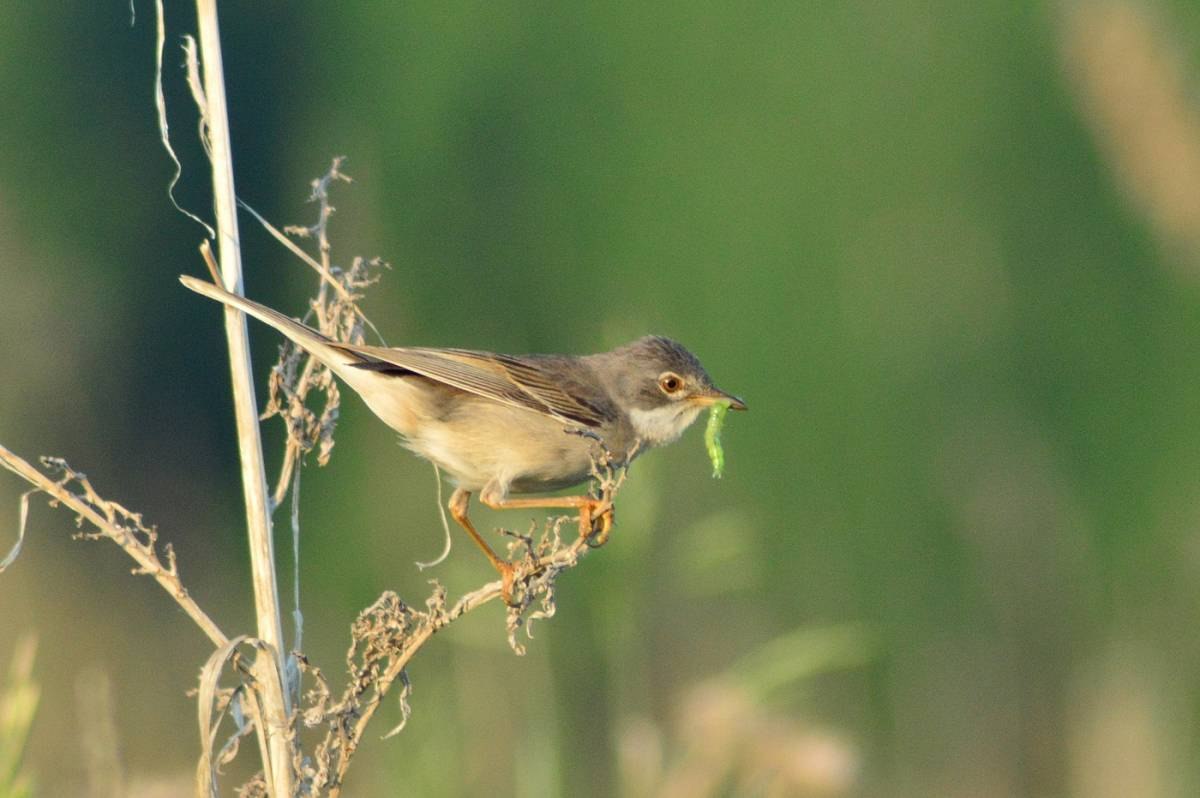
x,y
386,635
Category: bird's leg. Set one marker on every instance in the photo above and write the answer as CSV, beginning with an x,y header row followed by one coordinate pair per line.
x,y
458,507
586,505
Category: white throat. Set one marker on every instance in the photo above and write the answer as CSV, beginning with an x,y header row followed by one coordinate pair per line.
x,y
663,425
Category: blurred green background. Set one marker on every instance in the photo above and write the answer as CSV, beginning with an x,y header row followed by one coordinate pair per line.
x,y
949,253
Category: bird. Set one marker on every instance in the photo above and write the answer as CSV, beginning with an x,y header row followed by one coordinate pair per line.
x,y
504,426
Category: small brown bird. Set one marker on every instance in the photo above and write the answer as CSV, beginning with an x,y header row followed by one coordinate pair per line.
x,y
505,424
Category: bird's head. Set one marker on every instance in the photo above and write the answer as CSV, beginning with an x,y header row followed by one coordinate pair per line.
x,y
663,388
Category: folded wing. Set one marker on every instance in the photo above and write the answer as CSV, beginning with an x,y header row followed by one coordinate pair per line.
x,y
534,383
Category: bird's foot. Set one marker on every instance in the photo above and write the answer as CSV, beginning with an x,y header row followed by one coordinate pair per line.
x,y
598,522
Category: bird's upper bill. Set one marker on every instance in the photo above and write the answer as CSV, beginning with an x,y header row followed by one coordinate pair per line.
x,y
710,396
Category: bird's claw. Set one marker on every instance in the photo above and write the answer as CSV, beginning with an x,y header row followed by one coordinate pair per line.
x,y
599,527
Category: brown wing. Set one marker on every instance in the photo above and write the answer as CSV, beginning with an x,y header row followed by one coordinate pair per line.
x,y
541,383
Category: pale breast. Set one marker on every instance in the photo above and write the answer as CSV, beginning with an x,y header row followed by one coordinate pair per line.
x,y
481,443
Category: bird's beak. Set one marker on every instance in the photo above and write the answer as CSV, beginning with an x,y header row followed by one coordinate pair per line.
x,y
713,395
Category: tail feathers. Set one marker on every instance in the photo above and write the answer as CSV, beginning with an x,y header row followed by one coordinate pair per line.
x,y
313,341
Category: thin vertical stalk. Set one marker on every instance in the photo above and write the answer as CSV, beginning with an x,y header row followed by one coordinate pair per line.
x,y
269,664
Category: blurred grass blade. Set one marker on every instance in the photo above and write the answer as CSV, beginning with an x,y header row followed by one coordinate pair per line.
x,y
802,654
18,705
98,736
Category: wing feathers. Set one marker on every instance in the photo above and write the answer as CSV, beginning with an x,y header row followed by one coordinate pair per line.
x,y
521,382
546,384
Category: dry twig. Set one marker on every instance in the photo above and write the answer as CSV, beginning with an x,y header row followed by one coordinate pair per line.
x,y
112,521
389,633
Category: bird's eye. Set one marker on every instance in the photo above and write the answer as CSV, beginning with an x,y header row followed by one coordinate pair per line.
x,y
670,383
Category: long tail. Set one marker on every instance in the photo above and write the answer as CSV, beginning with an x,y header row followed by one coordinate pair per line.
x,y
328,352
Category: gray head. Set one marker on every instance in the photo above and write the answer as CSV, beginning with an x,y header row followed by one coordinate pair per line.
x,y
661,385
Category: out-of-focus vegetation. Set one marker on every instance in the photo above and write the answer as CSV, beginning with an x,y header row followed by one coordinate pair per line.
x,y
19,694
948,253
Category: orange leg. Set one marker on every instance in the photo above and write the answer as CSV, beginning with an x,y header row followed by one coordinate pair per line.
x,y
458,507
586,505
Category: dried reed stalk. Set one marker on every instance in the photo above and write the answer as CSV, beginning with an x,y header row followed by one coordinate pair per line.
x,y
273,696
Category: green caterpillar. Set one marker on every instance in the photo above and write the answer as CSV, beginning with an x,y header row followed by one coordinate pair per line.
x,y
712,437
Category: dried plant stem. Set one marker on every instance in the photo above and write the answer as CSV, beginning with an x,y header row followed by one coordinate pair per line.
x,y
538,570
277,765
293,451
395,668
148,562
388,634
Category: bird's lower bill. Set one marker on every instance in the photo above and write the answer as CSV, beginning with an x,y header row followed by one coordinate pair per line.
x,y
708,399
